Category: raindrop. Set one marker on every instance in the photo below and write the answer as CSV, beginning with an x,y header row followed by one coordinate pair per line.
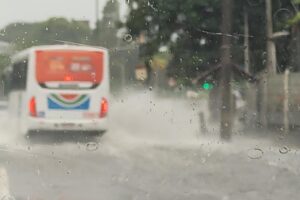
x,y
91,146
150,88
46,28
282,15
38,171
59,161
150,62
281,136
127,38
68,172
284,150
255,153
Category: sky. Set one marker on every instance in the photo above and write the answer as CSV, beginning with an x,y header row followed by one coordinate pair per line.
x,y
38,10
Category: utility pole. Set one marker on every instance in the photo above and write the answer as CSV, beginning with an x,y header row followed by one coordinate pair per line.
x,y
271,48
226,71
251,93
286,123
96,31
96,12
270,68
246,42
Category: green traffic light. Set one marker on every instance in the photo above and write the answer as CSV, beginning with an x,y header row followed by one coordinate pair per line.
x,y
207,86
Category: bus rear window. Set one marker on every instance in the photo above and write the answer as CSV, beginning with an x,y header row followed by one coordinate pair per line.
x,y
65,67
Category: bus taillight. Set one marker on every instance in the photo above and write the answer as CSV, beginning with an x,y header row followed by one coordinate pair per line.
x,y
68,78
32,107
104,108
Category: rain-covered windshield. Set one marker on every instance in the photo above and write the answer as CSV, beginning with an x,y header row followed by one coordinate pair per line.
x,y
149,99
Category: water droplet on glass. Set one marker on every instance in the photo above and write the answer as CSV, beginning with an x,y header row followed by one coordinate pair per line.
x,y
282,15
150,62
284,150
127,38
38,172
281,136
255,153
150,88
264,54
91,146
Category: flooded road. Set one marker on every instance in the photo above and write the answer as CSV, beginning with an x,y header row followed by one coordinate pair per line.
x,y
154,150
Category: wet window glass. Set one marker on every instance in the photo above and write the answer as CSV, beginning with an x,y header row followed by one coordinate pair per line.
x,y
149,99
19,75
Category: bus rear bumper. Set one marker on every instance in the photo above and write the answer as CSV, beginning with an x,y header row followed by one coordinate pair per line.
x,y
37,124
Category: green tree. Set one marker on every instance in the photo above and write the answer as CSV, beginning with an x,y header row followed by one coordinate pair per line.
x,y
24,35
191,30
106,30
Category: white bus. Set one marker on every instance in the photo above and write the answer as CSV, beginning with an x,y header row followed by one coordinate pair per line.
x,y
59,88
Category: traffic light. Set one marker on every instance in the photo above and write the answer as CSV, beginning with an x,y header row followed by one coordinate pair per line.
x,y
207,85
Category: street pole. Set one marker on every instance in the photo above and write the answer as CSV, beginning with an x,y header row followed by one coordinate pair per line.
x,y
96,12
271,48
250,92
226,71
286,123
246,42
270,64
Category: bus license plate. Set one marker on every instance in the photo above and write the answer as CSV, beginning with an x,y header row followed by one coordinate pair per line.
x,y
67,125
90,115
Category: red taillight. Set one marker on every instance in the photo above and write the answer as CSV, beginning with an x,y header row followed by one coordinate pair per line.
x,y
32,107
104,108
68,78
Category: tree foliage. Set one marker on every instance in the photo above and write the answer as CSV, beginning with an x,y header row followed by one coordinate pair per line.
x,y
191,30
183,27
24,35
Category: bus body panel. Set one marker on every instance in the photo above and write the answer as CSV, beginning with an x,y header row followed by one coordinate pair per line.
x,y
60,109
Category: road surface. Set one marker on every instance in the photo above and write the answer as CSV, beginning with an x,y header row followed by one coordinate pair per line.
x,y
153,151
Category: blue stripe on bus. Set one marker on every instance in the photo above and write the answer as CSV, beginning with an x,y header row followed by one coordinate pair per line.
x,y
55,106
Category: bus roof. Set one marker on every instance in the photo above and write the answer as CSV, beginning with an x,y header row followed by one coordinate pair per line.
x,y
24,53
